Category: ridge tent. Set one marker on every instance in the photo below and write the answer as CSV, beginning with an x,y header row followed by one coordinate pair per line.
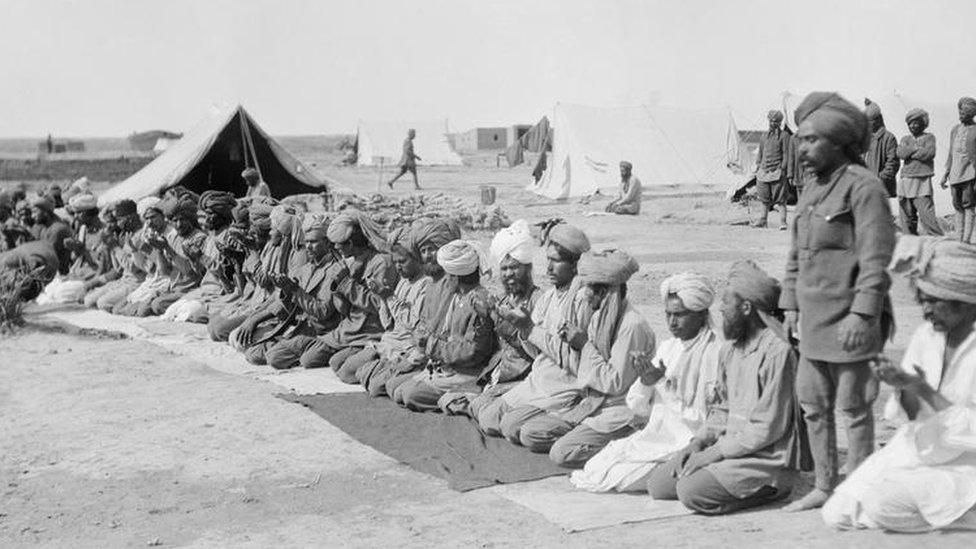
x,y
212,156
666,145
382,142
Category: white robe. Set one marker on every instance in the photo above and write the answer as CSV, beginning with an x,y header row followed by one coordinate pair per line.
x,y
673,418
925,477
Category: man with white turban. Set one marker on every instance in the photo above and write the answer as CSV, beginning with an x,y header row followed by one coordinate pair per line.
x,y
513,249
551,381
461,339
672,394
617,333
922,480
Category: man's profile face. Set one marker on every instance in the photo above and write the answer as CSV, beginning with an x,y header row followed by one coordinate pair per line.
x,y
943,314
734,321
514,275
816,152
683,323
559,270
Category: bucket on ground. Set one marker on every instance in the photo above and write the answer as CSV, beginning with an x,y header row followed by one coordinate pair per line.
x,y
488,195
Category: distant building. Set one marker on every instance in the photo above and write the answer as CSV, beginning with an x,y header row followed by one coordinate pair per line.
x,y
146,141
487,139
62,146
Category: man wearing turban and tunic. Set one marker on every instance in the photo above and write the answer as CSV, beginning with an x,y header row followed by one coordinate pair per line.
x,y
366,278
836,285
289,326
772,170
49,227
629,201
551,381
461,339
881,156
512,249
917,153
671,396
743,455
608,347
960,169
129,263
398,363
923,478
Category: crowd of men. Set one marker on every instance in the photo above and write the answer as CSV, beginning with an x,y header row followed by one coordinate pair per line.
x,y
719,417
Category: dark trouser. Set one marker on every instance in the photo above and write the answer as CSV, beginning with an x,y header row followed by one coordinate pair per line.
x,y
304,351
918,216
341,365
702,492
771,194
568,445
220,327
852,388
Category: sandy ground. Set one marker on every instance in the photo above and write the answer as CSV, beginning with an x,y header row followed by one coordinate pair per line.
x,y
109,442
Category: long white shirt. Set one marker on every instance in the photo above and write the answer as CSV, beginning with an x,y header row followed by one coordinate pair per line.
x,y
933,458
674,408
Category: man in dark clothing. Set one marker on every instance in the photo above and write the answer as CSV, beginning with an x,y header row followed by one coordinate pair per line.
x,y
881,157
917,151
771,170
408,162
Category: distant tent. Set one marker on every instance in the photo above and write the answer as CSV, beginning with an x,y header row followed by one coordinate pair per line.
x,y
667,146
163,144
382,142
213,155
146,141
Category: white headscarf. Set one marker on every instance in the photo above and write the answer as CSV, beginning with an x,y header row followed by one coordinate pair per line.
x,y
515,241
146,203
461,257
693,289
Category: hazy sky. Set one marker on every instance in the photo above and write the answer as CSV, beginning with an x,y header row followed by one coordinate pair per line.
x,y
109,67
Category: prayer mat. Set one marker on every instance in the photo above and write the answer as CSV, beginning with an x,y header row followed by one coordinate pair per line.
x,y
576,510
449,447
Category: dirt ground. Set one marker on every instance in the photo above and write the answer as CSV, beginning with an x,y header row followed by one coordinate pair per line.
x,y
111,442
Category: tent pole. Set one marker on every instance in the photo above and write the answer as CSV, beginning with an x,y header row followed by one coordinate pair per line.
x,y
250,145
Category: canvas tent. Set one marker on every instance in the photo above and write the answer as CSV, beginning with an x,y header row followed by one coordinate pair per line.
x,y
213,155
382,143
667,146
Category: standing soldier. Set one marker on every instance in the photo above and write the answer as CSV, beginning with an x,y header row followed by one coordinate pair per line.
x,y
771,170
917,151
960,169
408,162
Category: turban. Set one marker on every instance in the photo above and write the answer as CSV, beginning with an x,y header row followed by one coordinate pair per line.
x,y
315,223
401,239
241,214
82,202
775,116
940,267
23,205
835,118
515,241
125,207
282,218
967,106
218,203
434,232
259,214
176,208
917,114
626,164
872,111
460,257
107,214
752,284
610,267
43,202
570,238
343,225
694,290
250,172
147,203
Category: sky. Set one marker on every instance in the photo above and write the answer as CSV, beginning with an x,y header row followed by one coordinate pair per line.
x,y
110,67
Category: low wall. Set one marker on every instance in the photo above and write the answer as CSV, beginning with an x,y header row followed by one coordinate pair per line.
x,y
99,169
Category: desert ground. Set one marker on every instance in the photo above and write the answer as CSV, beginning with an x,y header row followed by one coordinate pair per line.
x,y
111,442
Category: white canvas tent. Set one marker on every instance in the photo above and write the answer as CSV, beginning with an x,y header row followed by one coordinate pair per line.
x,y
382,142
667,146
212,156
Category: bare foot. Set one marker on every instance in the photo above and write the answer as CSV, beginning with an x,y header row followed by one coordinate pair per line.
x,y
813,500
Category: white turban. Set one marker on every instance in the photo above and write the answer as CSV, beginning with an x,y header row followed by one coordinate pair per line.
x,y
515,241
694,290
940,267
460,257
146,203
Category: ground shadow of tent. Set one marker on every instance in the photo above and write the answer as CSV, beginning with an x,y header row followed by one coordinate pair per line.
x,y
212,157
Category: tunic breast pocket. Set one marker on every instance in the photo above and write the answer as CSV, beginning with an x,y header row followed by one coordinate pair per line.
x,y
833,231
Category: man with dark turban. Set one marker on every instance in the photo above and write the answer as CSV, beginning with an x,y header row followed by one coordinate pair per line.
x,y
35,264
575,431
922,479
256,186
960,169
629,200
551,383
49,227
398,364
366,279
461,339
881,156
745,459
304,309
128,262
836,284
221,258
917,153
772,170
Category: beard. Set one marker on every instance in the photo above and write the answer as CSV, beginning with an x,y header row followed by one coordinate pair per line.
x,y
735,328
